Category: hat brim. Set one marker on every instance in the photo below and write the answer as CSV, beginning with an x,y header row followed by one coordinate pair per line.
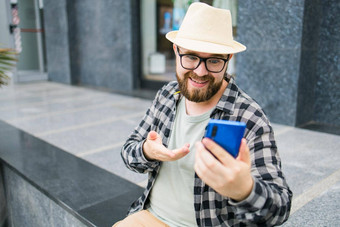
x,y
205,47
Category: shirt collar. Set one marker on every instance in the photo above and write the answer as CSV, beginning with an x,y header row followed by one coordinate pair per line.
x,y
227,101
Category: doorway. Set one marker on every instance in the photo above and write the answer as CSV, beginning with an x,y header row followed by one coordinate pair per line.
x,y
29,40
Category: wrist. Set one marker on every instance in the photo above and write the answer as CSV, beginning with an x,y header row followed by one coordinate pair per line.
x,y
145,153
247,189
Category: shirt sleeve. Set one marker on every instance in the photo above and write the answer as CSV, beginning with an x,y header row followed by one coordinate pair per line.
x,y
270,199
132,151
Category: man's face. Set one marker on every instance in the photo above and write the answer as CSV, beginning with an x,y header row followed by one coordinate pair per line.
x,y
198,85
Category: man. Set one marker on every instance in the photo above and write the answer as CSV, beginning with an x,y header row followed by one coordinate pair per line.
x,y
193,181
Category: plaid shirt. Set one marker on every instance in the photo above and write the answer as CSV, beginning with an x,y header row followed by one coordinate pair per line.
x,y
269,202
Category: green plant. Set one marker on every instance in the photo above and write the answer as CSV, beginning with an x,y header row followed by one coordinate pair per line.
x,y
7,62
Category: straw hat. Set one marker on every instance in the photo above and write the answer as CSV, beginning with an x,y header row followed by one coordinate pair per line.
x,y
206,29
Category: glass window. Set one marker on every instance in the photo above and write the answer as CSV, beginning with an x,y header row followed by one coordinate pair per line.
x,y
160,17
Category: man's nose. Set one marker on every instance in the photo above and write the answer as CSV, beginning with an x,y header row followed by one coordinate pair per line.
x,y
201,70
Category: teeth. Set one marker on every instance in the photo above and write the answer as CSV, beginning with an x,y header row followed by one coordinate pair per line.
x,y
199,82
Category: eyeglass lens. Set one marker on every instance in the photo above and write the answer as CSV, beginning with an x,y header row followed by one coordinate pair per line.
x,y
212,64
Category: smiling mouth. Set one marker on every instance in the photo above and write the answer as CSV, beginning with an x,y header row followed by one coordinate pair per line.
x,y
198,82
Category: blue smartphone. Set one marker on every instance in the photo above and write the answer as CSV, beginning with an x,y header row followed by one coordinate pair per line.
x,y
227,134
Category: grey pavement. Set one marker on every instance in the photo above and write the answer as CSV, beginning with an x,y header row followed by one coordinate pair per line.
x,y
93,125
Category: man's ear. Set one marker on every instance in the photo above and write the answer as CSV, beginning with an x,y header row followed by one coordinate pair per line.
x,y
175,48
231,55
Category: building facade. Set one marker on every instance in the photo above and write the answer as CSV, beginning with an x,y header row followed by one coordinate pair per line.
x,y
291,65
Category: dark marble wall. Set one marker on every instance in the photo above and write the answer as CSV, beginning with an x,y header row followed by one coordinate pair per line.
x,y
27,206
319,87
56,38
309,62
292,63
327,91
3,206
99,42
269,69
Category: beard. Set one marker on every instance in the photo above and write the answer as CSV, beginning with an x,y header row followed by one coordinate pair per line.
x,y
197,94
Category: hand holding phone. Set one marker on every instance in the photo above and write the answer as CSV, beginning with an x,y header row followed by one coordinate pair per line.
x,y
227,134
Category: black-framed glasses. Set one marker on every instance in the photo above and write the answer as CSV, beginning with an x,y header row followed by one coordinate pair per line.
x,y
212,64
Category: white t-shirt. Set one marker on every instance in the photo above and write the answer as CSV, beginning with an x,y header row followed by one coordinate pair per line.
x,y
172,196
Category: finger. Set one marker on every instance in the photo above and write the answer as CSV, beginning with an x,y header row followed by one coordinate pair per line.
x,y
187,145
222,155
180,152
207,172
185,148
208,161
152,135
200,167
244,154
162,153
202,152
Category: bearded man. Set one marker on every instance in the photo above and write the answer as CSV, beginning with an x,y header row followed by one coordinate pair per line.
x,y
192,181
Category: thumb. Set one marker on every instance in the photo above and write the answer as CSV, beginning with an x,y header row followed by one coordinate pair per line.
x,y
152,135
244,154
